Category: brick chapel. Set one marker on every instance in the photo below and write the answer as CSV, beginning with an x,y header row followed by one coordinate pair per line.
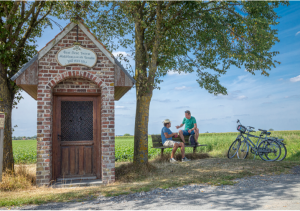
x,y
75,81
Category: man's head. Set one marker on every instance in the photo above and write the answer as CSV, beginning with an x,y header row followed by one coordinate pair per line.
x,y
167,123
187,114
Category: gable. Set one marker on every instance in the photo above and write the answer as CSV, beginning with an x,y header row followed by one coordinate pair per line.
x,y
44,62
65,32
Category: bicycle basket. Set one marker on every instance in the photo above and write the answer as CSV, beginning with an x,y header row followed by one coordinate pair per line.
x,y
241,128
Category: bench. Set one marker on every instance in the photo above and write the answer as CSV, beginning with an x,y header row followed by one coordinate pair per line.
x,y
157,143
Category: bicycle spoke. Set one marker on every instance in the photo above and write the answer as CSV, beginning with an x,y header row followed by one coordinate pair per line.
x,y
269,150
233,149
243,150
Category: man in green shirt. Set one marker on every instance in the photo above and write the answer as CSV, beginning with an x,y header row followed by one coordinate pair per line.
x,y
190,126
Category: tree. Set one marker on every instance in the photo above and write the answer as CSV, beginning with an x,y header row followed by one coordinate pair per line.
x,y
205,37
271,129
126,134
20,23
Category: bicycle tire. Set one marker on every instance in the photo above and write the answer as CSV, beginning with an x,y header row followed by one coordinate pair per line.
x,y
235,146
243,150
283,149
266,145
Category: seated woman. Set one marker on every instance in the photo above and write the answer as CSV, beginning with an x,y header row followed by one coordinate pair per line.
x,y
166,137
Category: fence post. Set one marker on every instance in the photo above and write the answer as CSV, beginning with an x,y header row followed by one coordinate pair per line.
x,y
2,121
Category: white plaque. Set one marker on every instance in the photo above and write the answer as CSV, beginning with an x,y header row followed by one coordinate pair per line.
x,y
76,54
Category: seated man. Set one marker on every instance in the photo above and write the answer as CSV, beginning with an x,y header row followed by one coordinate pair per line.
x,y
166,137
190,127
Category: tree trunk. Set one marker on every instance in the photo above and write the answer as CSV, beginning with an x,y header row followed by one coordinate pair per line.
x,y
141,130
6,103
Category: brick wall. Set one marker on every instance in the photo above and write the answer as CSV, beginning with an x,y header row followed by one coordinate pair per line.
x,y
75,78
79,85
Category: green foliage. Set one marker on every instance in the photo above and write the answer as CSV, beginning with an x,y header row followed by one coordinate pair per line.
x,y
126,134
187,36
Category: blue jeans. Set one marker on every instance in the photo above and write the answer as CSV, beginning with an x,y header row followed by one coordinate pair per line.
x,y
186,133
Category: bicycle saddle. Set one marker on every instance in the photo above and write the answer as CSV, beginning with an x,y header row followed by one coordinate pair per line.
x,y
265,131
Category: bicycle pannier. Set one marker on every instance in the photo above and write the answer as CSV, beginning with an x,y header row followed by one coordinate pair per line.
x,y
241,128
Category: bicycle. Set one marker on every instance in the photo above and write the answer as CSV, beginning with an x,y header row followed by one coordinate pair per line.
x,y
266,149
279,142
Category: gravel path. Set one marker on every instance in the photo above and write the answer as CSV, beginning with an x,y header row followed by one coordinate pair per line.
x,y
256,192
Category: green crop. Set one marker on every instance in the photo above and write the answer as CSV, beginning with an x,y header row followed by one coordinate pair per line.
x,y
217,145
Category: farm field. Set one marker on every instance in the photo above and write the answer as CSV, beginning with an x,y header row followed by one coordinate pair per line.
x,y
217,146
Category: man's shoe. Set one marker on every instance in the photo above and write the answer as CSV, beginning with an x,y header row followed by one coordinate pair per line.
x,y
172,160
185,159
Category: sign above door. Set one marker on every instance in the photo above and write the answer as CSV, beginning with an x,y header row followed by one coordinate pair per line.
x,y
76,54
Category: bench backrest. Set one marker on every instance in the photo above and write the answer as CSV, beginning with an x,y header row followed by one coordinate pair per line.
x,y
156,140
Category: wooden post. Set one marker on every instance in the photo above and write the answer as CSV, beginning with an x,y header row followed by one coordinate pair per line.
x,y
194,150
2,118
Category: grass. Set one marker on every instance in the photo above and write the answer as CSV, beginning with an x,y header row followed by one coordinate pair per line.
x,y
158,174
217,146
209,165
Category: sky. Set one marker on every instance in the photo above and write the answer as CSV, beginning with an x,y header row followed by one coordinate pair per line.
x,y
258,101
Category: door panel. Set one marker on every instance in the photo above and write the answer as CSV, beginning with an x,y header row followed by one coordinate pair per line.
x,y
76,147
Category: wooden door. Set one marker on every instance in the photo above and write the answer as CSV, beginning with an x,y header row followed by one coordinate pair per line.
x,y
76,137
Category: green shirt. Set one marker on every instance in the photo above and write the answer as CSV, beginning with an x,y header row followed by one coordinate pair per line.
x,y
189,123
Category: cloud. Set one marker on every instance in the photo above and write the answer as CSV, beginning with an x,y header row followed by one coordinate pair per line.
x,y
293,96
241,97
182,88
295,79
172,72
165,100
297,33
241,77
234,95
280,79
123,53
180,107
121,107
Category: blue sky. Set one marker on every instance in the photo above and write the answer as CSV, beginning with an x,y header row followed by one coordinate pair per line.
x,y
259,101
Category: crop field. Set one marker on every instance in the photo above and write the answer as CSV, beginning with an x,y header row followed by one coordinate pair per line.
x,y
217,146
24,151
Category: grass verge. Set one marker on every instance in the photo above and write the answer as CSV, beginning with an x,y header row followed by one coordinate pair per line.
x,y
158,174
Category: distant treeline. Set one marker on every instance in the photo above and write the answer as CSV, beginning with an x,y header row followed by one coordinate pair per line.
x,y
23,137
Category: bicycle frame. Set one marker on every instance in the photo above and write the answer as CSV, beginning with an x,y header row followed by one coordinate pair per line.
x,y
250,143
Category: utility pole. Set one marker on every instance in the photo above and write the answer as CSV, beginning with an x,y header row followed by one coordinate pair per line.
x,y
2,121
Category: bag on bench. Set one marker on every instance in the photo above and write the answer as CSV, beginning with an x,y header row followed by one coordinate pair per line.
x,y
192,140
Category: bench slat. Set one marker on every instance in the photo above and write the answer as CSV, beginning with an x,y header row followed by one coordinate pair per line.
x,y
162,147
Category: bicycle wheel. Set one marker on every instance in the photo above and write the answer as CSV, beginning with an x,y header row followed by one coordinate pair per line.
x,y
233,149
243,150
283,152
269,150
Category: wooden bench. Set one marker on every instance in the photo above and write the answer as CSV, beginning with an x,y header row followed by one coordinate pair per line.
x,y
157,143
